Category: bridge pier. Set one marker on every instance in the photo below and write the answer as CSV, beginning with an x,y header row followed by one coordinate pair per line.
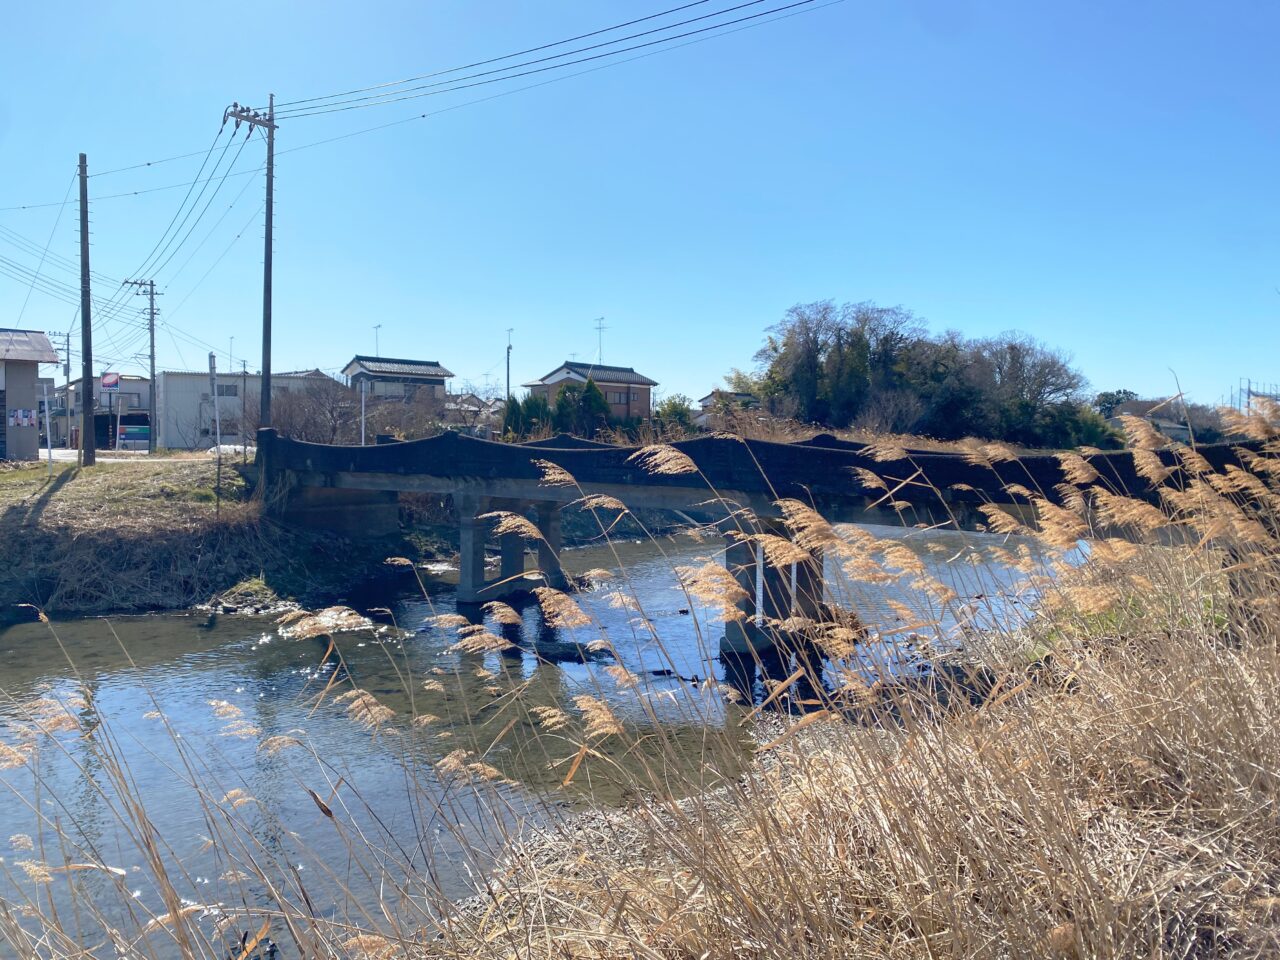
x,y
547,517
773,593
474,533
741,636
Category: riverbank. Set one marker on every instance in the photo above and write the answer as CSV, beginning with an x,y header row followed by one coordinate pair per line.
x,y
146,535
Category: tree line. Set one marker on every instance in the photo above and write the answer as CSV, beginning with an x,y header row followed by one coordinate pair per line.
x,y
879,368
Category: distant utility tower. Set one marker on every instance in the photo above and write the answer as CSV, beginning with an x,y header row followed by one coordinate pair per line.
x,y
509,330
600,329
149,288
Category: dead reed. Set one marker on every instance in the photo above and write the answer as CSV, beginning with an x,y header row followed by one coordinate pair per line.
x,y
1094,773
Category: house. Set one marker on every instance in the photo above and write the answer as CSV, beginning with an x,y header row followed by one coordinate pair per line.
x,y
716,404
469,413
1168,417
21,353
185,408
629,394
392,378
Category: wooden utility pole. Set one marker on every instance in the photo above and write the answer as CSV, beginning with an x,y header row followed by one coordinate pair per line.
x,y
217,430
66,374
86,326
151,330
268,122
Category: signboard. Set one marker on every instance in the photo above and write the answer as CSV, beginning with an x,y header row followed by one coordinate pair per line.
x,y
110,382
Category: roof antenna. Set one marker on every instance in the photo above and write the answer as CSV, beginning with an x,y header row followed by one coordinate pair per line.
x,y
600,329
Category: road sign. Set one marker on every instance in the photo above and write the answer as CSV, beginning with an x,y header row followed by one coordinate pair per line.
x,y
111,382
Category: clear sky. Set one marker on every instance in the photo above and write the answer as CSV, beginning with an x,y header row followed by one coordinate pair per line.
x,y
1102,176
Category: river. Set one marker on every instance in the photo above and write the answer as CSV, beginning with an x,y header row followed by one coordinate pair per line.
x,y
216,724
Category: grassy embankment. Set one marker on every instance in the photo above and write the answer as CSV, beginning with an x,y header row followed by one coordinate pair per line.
x,y
150,536
1118,798
141,535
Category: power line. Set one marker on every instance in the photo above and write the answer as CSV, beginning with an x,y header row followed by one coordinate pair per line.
x,y
212,230
335,100
167,239
48,243
398,97
213,196
156,251
147,163
31,248
457,106
509,56
219,260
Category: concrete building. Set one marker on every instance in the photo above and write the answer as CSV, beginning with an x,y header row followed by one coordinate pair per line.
x,y
185,408
21,353
389,378
132,400
629,394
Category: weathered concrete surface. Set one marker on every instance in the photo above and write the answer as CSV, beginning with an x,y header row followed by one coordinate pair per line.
x,y
350,513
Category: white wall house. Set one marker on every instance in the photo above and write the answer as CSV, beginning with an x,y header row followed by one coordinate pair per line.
x,y
21,353
185,407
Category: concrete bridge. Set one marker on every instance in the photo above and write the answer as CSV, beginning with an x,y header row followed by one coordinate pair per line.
x,y
739,483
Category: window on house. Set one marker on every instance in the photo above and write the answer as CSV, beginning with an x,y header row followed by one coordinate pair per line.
x,y
228,390
635,396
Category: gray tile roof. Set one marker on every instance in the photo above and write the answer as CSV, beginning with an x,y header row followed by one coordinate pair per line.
x,y
391,366
603,373
30,345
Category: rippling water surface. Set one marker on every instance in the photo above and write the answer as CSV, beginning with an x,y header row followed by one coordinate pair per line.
x,y
190,705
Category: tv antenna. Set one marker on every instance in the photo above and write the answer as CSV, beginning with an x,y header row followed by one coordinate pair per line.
x,y
600,329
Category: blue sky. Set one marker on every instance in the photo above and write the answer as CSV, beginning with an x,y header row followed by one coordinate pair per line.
x,y
1101,176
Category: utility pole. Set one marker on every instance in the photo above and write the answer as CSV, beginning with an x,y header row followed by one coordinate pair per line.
x,y
66,375
377,350
364,390
151,330
244,409
217,430
86,325
268,122
509,329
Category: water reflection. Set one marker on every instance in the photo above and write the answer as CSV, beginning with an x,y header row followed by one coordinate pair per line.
x,y
159,685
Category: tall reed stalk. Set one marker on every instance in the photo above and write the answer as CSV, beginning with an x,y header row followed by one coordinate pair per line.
x,y
1095,776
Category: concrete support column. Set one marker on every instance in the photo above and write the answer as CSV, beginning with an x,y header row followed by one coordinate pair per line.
x,y
741,636
547,517
473,532
775,592
512,549
810,585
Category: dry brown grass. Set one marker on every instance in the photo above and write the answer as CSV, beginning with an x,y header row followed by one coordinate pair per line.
x,y
1101,781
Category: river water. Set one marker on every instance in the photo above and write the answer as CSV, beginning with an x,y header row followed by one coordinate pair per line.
x,y
218,727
